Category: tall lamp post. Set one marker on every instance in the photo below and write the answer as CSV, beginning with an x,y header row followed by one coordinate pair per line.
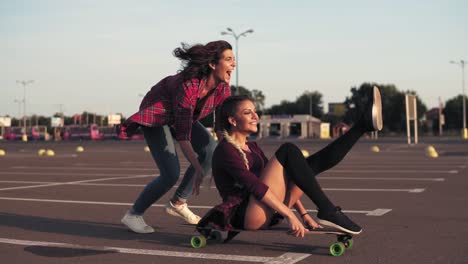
x,y
24,83
462,63
237,36
19,110
310,104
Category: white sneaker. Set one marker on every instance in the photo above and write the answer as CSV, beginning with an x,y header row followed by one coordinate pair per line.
x,y
183,212
136,223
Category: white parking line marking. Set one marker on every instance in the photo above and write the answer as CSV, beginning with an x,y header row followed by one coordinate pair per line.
x,y
88,183
366,212
74,182
68,168
288,258
420,190
393,171
285,258
63,173
379,179
30,186
152,169
376,212
379,212
27,182
416,190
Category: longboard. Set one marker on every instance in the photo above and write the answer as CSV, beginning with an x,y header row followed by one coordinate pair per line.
x,y
344,239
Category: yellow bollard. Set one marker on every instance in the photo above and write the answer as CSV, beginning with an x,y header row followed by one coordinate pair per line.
x,y
375,149
2,152
431,152
305,153
50,153
79,149
41,152
465,133
24,138
430,148
146,149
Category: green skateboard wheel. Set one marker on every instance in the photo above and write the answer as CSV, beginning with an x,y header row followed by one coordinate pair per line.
x,y
349,244
337,249
198,241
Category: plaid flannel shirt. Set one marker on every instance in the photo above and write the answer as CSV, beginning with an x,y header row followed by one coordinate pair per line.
x,y
172,102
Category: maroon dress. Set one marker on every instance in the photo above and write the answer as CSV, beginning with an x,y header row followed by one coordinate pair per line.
x,y
235,183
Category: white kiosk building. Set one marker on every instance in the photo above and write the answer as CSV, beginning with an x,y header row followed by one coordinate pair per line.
x,y
283,126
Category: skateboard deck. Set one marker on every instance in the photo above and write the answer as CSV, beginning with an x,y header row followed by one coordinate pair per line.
x,y
344,240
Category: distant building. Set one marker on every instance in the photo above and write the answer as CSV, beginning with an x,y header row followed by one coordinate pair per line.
x,y
283,126
433,117
337,109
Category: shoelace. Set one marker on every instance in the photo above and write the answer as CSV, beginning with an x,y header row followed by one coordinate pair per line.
x,y
140,220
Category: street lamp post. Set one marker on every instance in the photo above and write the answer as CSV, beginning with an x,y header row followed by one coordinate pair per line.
x,y
19,110
236,36
24,83
462,63
310,103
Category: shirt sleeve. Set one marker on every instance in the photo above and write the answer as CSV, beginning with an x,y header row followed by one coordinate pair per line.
x,y
184,105
260,151
234,166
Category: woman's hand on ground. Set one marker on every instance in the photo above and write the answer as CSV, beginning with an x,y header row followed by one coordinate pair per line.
x,y
309,222
297,229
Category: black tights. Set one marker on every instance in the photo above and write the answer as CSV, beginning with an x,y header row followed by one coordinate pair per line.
x,y
302,171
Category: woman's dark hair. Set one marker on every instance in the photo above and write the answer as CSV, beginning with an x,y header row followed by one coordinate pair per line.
x,y
196,59
228,109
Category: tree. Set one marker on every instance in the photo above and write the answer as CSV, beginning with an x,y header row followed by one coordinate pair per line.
x,y
393,105
256,95
310,100
259,99
453,112
300,106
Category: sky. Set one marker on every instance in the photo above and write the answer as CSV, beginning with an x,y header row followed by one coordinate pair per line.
x,y
101,56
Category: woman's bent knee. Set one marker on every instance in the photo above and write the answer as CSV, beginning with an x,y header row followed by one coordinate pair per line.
x,y
285,150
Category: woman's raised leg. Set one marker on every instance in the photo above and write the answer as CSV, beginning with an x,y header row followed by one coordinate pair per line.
x,y
298,169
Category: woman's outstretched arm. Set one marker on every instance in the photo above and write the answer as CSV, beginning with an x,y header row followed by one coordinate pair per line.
x,y
273,202
308,221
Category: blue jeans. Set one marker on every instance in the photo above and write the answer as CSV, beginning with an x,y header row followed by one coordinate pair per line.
x,y
161,144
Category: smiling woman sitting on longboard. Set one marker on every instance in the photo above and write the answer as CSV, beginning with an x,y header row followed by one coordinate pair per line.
x,y
254,188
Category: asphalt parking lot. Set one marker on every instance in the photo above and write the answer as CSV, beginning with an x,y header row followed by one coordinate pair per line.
x,y
66,208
